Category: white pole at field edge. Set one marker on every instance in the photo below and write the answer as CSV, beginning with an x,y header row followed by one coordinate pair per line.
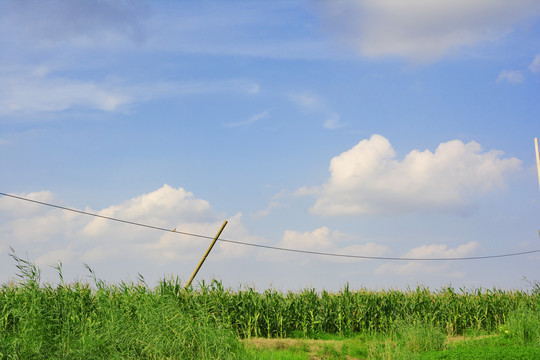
x,y
537,159
537,163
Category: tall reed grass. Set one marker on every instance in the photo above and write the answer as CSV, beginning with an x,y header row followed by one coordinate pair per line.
x,y
125,321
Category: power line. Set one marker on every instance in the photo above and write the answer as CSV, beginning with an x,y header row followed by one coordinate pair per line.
x,y
104,217
273,247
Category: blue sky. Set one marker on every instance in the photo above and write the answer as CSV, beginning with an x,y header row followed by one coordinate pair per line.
x,y
378,128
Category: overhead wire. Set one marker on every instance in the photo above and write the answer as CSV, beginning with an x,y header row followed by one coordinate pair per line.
x,y
320,253
104,217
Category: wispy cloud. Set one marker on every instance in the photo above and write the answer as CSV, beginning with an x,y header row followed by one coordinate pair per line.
x,y
306,101
35,90
275,202
535,65
31,95
423,30
251,120
333,122
518,76
511,76
312,103
50,22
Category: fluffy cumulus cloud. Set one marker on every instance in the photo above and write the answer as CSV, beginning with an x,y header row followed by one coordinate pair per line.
x,y
9,209
157,208
370,179
50,234
436,251
423,30
325,240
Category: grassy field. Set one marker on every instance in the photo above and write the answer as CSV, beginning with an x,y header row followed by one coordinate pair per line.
x,y
133,321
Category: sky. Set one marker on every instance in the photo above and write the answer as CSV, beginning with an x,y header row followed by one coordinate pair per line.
x,y
372,128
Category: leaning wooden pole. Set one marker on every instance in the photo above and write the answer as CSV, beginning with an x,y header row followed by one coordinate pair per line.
x,y
537,159
205,255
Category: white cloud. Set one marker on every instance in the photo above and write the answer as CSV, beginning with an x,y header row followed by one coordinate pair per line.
x,y
34,89
312,103
320,239
369,179
274,204
535,65
157,208
306,101
254,118
423,30
50,234
51,258
325,240
333,122
12,207
55,22
511,76
439,251
168,208
35,225
28,95
442,251
222,28
171,248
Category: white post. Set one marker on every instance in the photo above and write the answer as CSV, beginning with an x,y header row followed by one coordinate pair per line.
x,y
537,159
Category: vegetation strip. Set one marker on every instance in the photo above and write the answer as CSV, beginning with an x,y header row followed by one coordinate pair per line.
x,y
128,320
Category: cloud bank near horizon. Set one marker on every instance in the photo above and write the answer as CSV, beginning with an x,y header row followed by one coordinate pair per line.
x,y
70,237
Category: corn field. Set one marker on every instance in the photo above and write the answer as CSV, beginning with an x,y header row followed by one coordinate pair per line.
x,y
308,312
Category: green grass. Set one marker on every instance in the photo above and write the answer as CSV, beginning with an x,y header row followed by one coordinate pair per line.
x,y
495,347
386,347
133,321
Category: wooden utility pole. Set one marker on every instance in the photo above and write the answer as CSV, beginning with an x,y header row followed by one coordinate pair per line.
x,y
205,255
